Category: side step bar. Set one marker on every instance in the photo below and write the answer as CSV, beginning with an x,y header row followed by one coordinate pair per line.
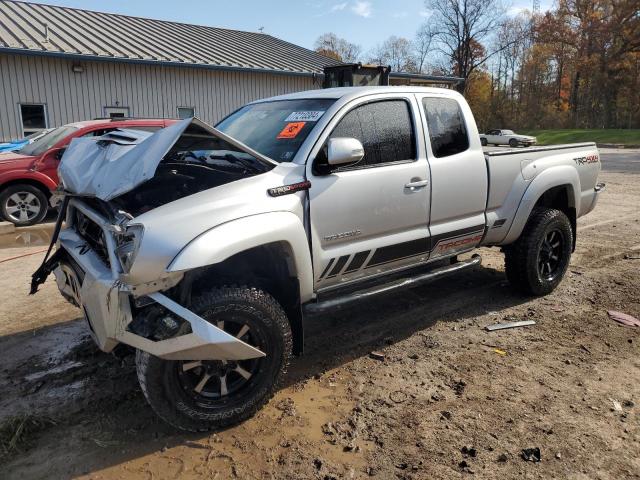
x,y
394,286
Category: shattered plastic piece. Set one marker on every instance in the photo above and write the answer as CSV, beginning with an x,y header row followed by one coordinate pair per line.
x,y
377,356
500,352
624,318
502,326
531,454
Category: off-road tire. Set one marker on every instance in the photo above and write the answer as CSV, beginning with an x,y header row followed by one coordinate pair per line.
x,y
159,378
513,143
483,142
522,257
21,190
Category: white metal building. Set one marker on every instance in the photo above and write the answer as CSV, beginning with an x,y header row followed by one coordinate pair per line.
x,y
59,65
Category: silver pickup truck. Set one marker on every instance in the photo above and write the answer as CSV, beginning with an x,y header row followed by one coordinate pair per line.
x,y
204,248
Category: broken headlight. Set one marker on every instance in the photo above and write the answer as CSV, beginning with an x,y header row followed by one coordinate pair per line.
x,y
128,244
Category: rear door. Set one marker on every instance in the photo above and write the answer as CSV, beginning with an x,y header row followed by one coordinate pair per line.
x,y
367,219
458,175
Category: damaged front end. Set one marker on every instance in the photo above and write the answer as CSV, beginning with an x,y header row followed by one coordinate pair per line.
x,y
108,182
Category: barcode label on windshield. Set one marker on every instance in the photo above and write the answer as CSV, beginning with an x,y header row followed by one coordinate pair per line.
x,y
309,116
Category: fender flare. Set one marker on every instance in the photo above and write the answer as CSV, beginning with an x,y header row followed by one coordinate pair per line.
x,y
562,175
225,240
15,176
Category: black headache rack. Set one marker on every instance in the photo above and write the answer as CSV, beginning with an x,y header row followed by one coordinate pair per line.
x,y
363,75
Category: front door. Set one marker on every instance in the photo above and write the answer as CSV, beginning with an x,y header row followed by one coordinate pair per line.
x,y
370,218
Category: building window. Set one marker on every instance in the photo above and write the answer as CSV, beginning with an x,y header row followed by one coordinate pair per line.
x,y
186,112
116,112
34,117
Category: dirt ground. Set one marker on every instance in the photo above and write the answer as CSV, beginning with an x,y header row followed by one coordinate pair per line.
x,y
449,400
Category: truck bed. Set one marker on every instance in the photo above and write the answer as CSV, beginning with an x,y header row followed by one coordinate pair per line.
x,y
512,171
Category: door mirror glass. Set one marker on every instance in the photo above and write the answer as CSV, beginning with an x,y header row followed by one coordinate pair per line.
x,y
57,153
344,151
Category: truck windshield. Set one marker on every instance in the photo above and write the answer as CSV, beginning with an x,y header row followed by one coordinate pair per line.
x,y
275,129
44,143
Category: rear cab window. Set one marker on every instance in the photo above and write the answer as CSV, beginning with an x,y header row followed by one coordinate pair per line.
x,y
277,128
447,129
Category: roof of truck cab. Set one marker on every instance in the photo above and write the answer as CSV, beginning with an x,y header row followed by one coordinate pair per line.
x,y
355,92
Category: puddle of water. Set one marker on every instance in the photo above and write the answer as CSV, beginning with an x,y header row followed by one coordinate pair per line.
x,y
27,237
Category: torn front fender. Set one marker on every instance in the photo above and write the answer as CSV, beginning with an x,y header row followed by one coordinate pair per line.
x,y
230,238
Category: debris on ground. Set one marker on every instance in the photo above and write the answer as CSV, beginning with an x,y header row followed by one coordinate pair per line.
x,y
500,351
468,451
624,318
398,396
458,387
16,433
503,326
531,454
617,407
377,356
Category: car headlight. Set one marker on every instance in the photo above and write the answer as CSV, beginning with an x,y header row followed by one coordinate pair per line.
x,y
128,244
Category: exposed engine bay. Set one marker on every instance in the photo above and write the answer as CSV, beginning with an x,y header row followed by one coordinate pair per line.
x,y
198,161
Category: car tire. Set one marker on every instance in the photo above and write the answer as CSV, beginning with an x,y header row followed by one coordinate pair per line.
x,y
513,143
175,389
536,263
483,142
23,204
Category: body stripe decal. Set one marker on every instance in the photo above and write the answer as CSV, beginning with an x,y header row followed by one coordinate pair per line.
x,y
339,264
397,251
358,261
327,268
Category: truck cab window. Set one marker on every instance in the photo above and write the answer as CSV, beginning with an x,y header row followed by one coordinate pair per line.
x,y
447,130
385,130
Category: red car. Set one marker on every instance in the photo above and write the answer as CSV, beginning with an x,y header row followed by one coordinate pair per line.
x,y
28,176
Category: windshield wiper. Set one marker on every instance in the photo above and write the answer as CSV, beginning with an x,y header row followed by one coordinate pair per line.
x,y
229,157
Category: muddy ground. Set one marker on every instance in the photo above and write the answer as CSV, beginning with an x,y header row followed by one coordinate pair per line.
x,y
570,385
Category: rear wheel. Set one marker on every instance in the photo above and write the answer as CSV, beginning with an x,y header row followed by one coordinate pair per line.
x,y
536,263
23,204
483,142
203,395
513,143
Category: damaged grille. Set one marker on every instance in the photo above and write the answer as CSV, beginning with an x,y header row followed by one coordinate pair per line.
x,y
91,232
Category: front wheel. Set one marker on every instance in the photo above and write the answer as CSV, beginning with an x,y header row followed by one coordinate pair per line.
x,y
205,395
483,142
23,205
513,143
536,263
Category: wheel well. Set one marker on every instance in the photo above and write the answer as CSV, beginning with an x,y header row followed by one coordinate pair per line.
x,y
561,198
267,267
27,181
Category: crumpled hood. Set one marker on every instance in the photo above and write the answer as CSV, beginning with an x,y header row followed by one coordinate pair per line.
x,y
115,163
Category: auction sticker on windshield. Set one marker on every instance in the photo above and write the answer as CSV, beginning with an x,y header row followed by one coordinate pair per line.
x,y
308,116
291,130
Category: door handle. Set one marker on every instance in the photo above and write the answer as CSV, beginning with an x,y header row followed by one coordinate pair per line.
x,y
417,184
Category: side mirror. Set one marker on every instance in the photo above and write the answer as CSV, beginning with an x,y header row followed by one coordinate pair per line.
x,y
59,153
344,151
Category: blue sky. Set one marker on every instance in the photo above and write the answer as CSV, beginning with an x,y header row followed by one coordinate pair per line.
x,y
365,22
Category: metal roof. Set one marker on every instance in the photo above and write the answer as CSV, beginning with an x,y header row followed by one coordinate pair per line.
x,y
61,31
